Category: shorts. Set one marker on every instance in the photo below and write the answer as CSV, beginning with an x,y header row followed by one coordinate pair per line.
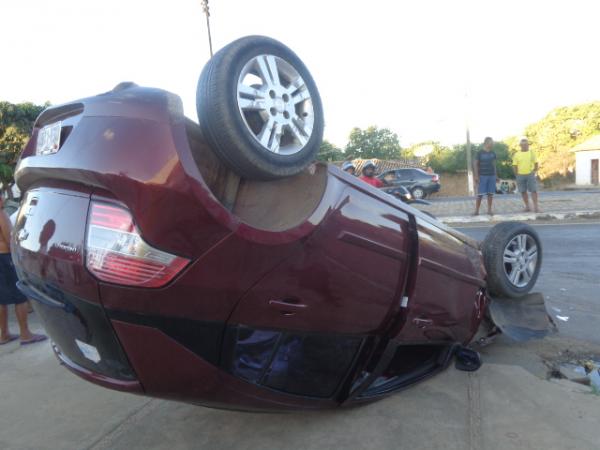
x,y
487,185
9,293
527,183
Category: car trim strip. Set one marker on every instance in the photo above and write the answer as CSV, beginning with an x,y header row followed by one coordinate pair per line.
x,y
440,268
369,244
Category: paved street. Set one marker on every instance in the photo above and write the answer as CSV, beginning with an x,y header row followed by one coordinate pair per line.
x,y
507,404
569,278
566,201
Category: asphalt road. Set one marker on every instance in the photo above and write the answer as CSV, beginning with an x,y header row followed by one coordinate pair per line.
x,y
570,278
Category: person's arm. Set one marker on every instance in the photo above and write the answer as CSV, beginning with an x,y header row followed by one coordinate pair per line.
x,y
535,162
5,227
476,169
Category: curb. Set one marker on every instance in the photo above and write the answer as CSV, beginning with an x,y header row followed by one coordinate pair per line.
x,y
524,217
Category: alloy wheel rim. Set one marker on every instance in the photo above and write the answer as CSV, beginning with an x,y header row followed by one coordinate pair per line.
x,y
275,104
520,260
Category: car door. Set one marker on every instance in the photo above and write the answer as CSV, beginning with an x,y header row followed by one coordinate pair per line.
x,y
406,177
390,178
445,301
310,316
345,278
422,178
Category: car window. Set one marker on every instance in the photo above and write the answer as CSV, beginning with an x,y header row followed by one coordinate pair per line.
x,y
389,177
404,174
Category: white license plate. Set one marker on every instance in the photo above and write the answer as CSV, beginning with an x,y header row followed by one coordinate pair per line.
x,y
48,140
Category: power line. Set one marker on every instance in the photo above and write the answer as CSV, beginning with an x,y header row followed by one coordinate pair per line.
x,y
207,13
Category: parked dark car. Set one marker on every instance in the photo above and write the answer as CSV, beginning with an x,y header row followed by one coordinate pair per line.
x,y
506,186
403,194
417,181
216,264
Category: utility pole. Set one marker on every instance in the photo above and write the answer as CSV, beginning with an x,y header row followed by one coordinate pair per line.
x,y
469,165
470,189
207,13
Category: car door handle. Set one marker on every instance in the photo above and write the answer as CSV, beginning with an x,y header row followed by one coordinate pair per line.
x,y
288,307
421,322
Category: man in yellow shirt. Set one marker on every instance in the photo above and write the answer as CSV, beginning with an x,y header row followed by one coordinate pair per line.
x,y
525,166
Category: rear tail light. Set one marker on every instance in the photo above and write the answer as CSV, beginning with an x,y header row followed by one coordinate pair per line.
x,y
117,253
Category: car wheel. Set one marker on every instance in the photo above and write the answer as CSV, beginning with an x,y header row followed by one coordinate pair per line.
x,y
259,109
512,254
418,192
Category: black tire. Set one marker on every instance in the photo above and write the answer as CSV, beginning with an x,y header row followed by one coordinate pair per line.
x,y
231,133
504,238
418,192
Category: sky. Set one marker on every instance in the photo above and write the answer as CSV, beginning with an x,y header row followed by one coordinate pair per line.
x,y
425,69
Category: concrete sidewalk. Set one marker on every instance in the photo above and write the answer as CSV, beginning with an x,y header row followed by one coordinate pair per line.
x,y
553,206
507,404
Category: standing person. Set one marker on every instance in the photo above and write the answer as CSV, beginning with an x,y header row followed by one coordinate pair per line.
x,y
9,294
485,175
368,175
349,167
525,166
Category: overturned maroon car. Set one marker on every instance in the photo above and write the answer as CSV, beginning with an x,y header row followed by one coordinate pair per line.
x,y
216,263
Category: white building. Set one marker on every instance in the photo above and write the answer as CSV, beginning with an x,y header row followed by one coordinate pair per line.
x,y
587,161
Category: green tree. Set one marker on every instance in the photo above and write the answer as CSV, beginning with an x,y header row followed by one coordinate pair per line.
x,y
448,159
329,152
503,160
444,159
413,151
373,142
553,137
16,122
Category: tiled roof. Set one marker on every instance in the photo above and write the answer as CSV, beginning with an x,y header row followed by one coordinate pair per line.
x,y
383,164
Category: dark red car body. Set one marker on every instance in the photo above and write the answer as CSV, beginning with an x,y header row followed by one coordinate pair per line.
x,y
309,292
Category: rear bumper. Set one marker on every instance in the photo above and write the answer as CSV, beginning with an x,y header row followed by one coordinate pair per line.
x,y
434,187
133,386
83,337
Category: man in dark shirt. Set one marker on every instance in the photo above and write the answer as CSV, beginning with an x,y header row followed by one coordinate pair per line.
x,y
485,175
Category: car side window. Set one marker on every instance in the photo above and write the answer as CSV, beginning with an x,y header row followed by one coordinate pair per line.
x,y
419,174
390,177
403,174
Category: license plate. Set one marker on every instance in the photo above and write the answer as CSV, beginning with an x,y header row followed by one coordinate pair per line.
x,y
48,140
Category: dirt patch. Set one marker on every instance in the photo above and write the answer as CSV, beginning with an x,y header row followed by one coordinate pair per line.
x,y
453,185
542,357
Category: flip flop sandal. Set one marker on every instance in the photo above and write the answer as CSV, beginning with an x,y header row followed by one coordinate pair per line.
x,y
34,339
11,337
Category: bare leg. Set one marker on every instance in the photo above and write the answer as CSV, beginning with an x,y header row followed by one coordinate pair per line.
x,y
4,334
534,197
525,200
21,312
490,198
477,205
